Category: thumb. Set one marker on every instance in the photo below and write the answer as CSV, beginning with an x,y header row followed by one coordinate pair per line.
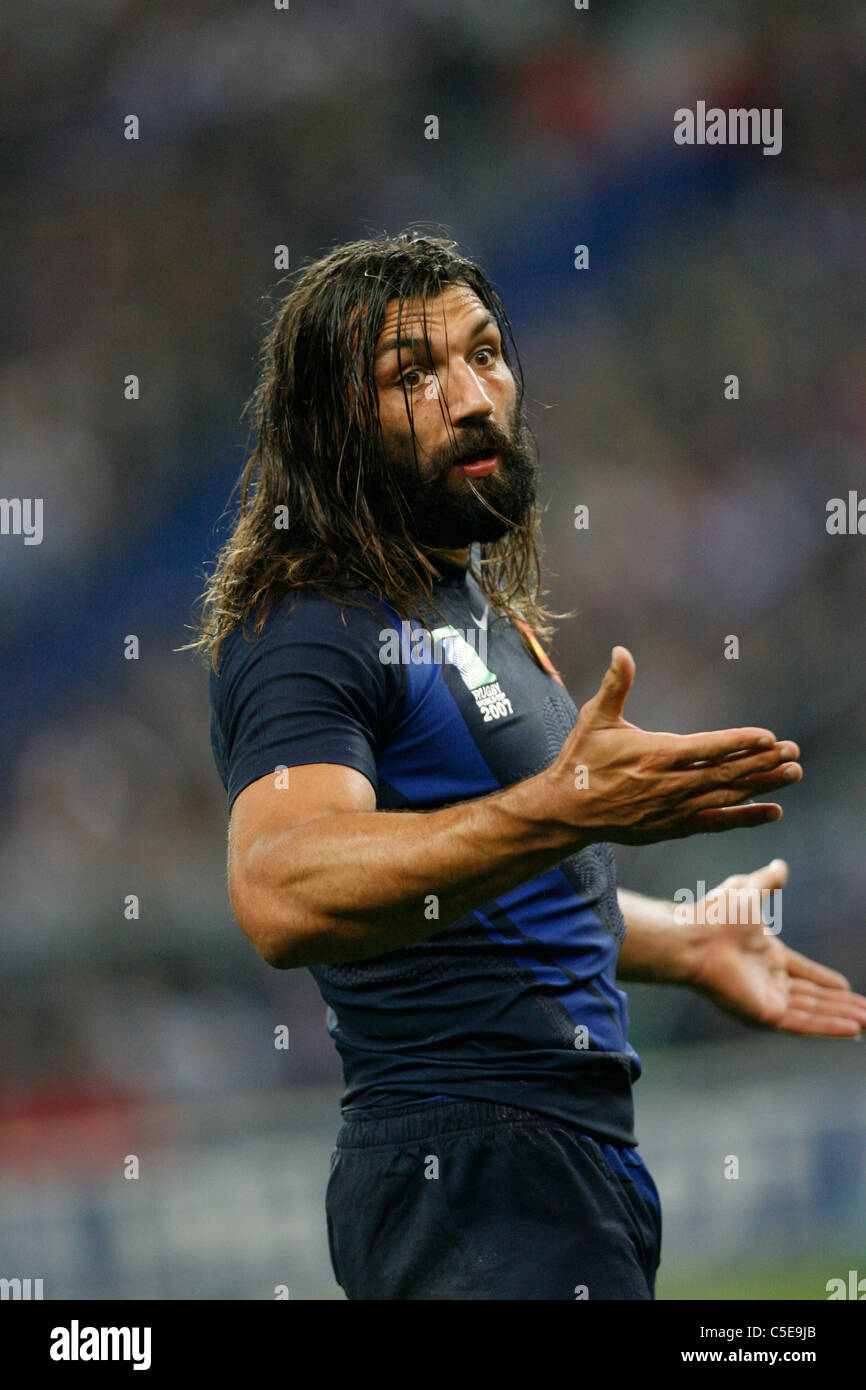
x,y
772,876
616,684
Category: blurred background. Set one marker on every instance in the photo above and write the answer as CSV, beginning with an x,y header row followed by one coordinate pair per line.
x,y
153,1037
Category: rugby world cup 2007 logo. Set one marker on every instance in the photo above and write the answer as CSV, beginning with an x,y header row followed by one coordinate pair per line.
x,y
465,651
486,690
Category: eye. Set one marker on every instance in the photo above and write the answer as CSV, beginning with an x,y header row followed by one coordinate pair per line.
x,y
412,372
492,353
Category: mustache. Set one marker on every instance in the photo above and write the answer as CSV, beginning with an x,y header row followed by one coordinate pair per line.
x,y
491,441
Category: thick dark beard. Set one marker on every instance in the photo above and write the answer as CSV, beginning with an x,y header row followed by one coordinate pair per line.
x,y
449,514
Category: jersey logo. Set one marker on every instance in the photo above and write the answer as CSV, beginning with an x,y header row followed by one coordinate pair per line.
x,y
482,621
492,701
484,684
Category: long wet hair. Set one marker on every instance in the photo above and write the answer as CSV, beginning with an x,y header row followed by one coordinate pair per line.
x,y
318,507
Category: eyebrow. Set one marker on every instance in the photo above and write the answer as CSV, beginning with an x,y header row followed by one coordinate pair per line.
x,y
411,344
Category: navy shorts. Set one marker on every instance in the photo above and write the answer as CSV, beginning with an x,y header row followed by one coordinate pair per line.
x,y
473,1199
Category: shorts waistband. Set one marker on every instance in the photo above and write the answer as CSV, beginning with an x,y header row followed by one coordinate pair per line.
x,y
372,1128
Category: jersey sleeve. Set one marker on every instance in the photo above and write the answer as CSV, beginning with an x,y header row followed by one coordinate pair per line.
x,y
309,689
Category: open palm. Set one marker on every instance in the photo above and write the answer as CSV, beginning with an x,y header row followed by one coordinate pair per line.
x,y
748,972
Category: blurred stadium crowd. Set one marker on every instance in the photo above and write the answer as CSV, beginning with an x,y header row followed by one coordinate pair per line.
x,y
155,257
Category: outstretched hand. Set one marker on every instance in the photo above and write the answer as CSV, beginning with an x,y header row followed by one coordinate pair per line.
x,y
748,972
614,781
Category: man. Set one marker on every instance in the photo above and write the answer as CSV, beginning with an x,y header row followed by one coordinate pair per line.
x,y
420,815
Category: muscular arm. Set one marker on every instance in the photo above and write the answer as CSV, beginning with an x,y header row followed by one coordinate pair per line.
x,y
348,883
317,874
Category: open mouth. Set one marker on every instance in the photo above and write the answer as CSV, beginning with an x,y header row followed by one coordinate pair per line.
x,y
479,463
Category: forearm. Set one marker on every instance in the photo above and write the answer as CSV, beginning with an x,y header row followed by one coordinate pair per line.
x,y
357,884
657,949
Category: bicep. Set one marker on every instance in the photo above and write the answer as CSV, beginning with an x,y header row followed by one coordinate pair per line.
x,y
273,805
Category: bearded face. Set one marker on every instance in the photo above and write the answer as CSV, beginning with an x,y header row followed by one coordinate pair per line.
x,y
472,474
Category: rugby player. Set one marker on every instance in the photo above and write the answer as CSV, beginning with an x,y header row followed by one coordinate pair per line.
x,y
421,815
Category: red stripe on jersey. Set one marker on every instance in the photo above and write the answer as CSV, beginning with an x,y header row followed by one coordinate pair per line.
x,y
541,656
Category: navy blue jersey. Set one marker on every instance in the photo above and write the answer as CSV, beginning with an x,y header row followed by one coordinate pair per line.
x,y
515,1002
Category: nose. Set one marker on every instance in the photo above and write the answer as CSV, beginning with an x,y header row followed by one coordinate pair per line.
x,y
466,397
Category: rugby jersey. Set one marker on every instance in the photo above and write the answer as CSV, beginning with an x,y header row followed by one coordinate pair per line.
x,y
516,1001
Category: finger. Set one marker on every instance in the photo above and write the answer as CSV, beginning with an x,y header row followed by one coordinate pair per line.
x,y
733,881
793,751
706,777
721,743
686,795
801,967
747,762
772,876
795,1020
758,783
714,798
713,822
617,681
836,1003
